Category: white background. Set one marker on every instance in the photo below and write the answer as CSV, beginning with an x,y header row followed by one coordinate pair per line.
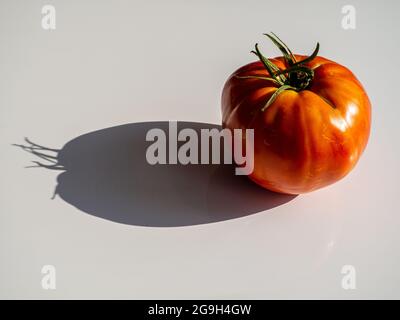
x,y
118,62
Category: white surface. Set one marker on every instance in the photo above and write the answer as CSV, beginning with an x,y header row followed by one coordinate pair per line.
x,y
112,63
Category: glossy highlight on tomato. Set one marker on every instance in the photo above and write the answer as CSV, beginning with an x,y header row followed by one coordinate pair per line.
x,y
311,119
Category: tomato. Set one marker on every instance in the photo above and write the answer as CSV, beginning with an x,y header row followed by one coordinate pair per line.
x,y
311,119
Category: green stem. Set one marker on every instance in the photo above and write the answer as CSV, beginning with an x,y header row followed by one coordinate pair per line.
x,y
260,78
294,69
276,94
297,76
271,67
309,58
287,54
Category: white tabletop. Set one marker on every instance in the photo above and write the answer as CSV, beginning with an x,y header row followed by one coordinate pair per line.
x,y
119,228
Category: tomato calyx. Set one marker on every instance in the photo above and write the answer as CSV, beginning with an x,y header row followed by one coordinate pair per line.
x,y
297,76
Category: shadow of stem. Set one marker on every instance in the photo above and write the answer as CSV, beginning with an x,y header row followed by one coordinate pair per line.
x,y
105,174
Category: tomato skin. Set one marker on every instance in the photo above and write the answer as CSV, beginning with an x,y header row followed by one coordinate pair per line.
x,y
304,140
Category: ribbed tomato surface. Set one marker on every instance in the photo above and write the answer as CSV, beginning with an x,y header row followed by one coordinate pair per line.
x,y
305,139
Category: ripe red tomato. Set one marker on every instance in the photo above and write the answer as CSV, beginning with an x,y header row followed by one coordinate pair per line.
x,y
311,118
